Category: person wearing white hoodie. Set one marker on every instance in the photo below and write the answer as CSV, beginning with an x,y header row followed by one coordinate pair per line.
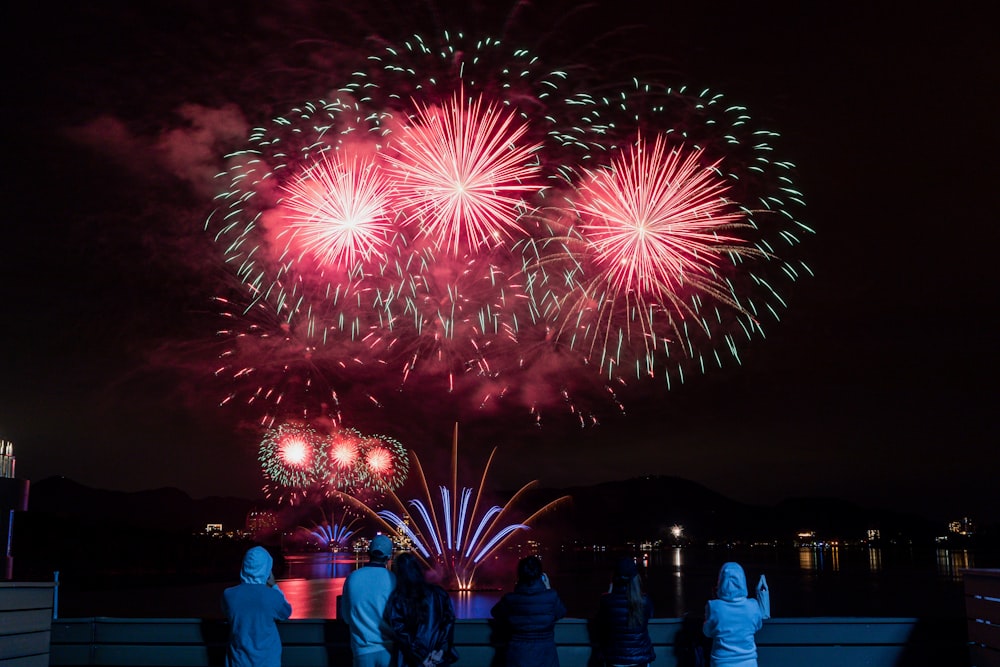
x,y
253,607
732,619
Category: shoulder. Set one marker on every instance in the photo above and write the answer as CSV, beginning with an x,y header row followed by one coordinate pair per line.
x,y
365,575
238,589
552,594
440,596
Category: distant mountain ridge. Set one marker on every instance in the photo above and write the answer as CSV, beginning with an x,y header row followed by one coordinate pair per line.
x,y
648,507
610,512
168,508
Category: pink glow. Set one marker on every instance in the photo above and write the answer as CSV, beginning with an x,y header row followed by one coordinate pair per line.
x,y
379,460
655,219
295,451
462,173
313,598
344,453
339,211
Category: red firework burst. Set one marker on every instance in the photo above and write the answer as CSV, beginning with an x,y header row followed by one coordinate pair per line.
x,y
344,451
384,463
653,220
295,451
379,460
339,210
462,174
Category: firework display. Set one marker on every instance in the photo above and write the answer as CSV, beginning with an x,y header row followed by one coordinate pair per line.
x,y
457,217
300,457
330,533
292,455
455,537
383,463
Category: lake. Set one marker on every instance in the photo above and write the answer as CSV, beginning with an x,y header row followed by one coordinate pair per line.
x,y
829,581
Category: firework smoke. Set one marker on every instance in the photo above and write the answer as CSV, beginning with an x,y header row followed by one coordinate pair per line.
x,y
456,218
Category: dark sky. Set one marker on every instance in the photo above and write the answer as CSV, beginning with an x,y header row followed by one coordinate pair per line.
x,y
878,386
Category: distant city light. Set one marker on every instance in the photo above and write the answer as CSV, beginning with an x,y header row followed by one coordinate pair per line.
x,y
6,458
963,527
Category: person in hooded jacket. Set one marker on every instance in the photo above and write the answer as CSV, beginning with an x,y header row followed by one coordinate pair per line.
x,y
253,607
421,617
623,619
733,618
529,614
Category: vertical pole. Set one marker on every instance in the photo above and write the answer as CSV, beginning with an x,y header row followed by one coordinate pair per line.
x,y
454,479
55,595
8,557
10,532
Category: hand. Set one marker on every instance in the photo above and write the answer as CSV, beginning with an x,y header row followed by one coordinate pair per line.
x,y
270,580
545,580
762,584
434,658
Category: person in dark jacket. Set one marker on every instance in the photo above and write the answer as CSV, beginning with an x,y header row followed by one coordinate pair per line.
x,y
421,617
529,614
623,619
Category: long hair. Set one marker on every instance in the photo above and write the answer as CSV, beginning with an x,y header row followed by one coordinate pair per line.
x,y
636,603
412,589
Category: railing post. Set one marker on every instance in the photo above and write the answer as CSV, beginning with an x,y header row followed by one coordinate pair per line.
x,y
982,611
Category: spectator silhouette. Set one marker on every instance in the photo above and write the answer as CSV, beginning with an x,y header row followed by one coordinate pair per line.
x,y
732,619
421,617
529,614
362,606
623,619
253,607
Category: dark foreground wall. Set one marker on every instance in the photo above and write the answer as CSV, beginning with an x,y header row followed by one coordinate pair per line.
x,y
816,642
25,623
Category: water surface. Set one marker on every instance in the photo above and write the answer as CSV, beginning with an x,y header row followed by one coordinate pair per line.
x,y
857,581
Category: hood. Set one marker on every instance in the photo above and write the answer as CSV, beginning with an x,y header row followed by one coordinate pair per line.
x,y
256,566
732,583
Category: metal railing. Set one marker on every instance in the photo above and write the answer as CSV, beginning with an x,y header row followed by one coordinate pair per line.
x,y
982,610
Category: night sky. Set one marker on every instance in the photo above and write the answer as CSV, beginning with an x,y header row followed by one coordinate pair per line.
x,y
878,385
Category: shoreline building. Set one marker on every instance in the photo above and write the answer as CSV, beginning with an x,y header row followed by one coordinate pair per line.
x,y
13,498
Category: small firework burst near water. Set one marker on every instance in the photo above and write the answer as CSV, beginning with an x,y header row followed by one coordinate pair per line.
x,y
302,460
383,464
292,455
330,533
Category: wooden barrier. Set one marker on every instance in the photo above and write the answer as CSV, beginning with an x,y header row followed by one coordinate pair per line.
x,y
982,610
25,624
815,642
